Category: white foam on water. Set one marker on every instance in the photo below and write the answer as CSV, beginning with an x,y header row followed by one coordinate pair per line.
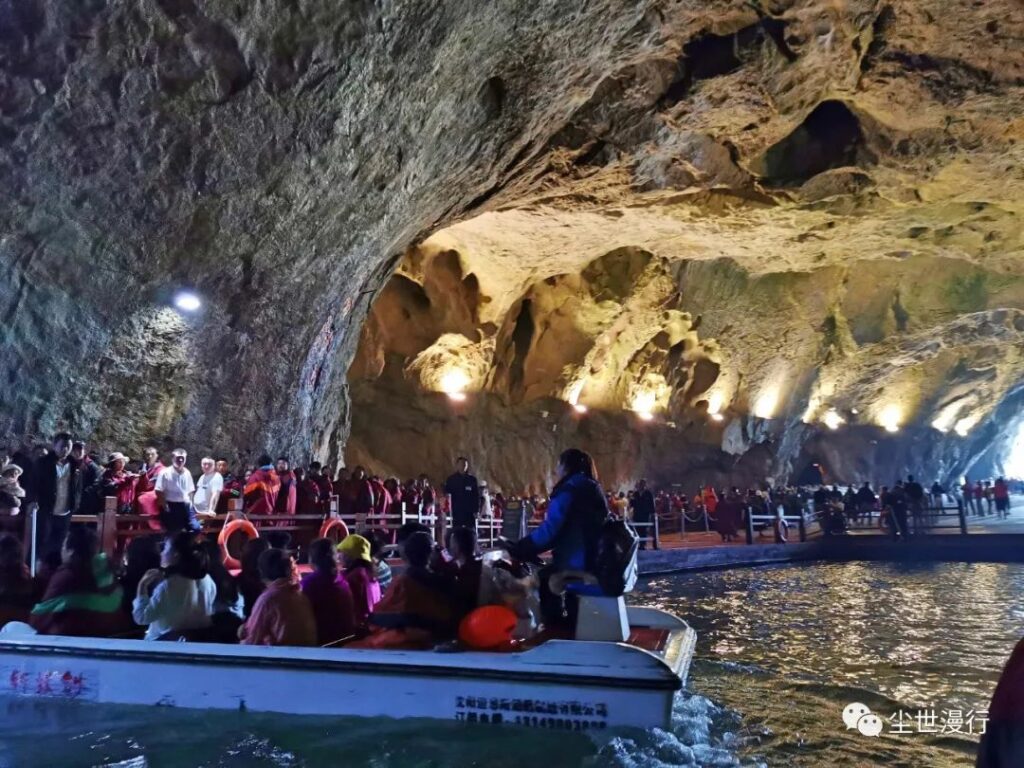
x,y
702,736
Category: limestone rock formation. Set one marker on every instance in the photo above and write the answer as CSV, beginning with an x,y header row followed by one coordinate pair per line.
x,y
775,212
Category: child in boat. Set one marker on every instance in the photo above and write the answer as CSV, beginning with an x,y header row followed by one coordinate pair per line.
x,y
282,614
361,575
419,609
183,593
473,580
378,540
82,598
329,596
18,591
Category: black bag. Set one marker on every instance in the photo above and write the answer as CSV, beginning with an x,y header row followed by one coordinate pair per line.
x,y
615,565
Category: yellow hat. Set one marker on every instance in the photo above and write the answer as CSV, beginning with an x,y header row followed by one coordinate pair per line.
x,y
356,547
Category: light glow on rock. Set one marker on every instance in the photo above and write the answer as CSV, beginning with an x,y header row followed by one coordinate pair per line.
x,y
890,418
767,403
454,383
832,419
187,302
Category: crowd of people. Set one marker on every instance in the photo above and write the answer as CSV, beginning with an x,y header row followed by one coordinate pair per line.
x,y
174,584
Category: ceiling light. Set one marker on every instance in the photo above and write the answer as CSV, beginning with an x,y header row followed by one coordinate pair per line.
x,y
187,302
579,408
832,419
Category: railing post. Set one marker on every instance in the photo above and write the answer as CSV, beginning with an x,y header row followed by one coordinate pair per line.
x,y
963,518
707,525
657,541
108,526
801,527
30,526
750,527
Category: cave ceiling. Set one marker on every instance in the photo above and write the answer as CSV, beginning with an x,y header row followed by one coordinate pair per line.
x,y
779,209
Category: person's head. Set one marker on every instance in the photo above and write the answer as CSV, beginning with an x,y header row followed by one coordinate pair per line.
x,y
462,543
142,554
11,553
462,464
62,445
183,554
221,466
408,529
358,473
322,557
314,468
300,474
178,459
77,450
264,460
424,481
41,450
214,564
910,478
355,549
208,465
251,553
151,455
11,473
276,564
417,548
574,461
116,461
80,546
282,464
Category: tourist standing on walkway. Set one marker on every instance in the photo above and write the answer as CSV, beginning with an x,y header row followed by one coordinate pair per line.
x,y
463,491
287,497
978,494
916,501
174,489
262,488
898,504
987,493
643,509
118,483
232,486
208,489
1001,494
91,501
58,491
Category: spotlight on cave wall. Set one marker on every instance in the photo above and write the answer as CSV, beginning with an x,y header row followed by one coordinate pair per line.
x,y
767,403
454,383
579,408
643,404
832,419
187,302
890,417
965,425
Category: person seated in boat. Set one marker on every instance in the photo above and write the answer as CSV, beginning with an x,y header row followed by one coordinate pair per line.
x,y
229,605
250,583
330,597
180,597
361,575
18,590
82,598
282,614
472,579
378,540
571,530
141,556
419,609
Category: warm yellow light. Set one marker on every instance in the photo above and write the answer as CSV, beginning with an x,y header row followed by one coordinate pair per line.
x,y
572,397
579,408
644,401
717,417
832,419
645,415
890,418
454,383
715,403
458,397
766,404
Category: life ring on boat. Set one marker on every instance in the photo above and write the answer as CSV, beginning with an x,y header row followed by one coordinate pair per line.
x,y
234,528
334,529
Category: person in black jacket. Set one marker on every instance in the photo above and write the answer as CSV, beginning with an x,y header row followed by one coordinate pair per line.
x,y
58,491
643,509
91,500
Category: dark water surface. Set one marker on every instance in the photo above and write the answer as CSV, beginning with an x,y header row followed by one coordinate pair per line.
x,y
781,651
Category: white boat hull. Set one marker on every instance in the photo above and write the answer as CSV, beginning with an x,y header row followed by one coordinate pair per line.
x,y
566,685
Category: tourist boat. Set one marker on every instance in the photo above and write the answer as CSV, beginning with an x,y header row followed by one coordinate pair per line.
x,y
560,684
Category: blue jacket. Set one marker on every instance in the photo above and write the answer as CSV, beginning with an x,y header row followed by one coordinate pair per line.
x,y
572,526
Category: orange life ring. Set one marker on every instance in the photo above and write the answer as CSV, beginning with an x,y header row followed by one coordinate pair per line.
x,y
334,528
230,529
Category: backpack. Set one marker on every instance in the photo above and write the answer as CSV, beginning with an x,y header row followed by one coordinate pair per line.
x,y
615,565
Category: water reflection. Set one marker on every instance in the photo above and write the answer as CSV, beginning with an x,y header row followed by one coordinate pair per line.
x,y
789,646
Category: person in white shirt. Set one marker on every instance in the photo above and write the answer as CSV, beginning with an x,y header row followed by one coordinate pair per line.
x,y
174,488
208,489
179,597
